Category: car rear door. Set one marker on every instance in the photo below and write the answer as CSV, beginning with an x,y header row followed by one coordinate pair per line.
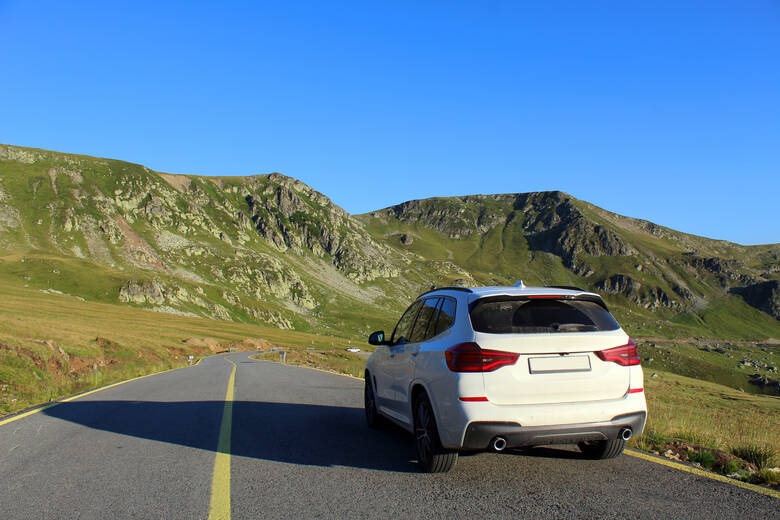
x,y
386,384
402,365
557,343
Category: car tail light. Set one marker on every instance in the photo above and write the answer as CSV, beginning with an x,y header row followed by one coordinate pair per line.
x,y
624,355
469,357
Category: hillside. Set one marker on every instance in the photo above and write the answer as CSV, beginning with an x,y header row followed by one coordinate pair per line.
x,y
262,248
663,281
267,249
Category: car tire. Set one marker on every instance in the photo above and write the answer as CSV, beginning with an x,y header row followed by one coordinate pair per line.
x,y
432,456
373,419
602,449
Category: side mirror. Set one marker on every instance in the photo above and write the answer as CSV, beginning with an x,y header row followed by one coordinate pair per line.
x,y
377,338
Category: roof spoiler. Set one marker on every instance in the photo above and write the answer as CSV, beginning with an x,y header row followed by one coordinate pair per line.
x,y
567,287
447,288
587,297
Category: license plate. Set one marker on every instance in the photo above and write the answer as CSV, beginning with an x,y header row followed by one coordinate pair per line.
x,y
553,364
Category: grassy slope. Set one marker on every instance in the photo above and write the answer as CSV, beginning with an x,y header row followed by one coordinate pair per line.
x,y
46,247
686,357
709,414
502,257
101,343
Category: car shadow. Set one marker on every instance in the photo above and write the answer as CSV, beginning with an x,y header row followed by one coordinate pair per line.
x,y
293,433
548,452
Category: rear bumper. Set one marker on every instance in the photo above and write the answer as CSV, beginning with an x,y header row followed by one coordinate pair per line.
x,y
479,434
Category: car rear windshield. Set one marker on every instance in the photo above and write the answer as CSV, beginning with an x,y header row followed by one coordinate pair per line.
x,y
527,316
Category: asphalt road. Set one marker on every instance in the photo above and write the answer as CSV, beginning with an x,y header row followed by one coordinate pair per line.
x,y
300,449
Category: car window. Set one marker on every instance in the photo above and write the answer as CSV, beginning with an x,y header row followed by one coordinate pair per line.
x,y
524,316
402,331
421,326
431,331
446,315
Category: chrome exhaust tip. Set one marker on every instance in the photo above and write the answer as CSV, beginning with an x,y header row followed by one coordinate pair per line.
x,y
499,444
626,433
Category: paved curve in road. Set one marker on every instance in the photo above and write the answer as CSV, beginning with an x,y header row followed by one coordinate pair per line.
x,y
300,448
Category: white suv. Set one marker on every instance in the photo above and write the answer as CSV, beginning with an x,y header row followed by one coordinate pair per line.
x,y
506,367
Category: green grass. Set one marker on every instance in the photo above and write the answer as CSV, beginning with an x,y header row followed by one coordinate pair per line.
x,y
731,317
766,476
686,357
761,456
709,415
732,467
703,457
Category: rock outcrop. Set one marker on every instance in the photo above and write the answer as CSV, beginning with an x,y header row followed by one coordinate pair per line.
x,y
764,296
634,291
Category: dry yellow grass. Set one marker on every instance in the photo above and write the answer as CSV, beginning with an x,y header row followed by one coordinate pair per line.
x,y
709,414
53,345
338,361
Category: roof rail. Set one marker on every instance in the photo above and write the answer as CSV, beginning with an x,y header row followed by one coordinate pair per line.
x,y
568,287
447,288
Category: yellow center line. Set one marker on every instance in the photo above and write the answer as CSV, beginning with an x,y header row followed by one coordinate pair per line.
x,y
219,509
702,473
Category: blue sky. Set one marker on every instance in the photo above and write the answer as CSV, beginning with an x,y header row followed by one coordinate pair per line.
x,y
668,111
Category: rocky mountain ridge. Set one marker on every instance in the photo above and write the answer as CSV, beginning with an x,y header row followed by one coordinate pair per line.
x,y
650,266
268,248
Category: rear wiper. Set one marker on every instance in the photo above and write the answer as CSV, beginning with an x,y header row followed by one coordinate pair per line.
x,y
572,327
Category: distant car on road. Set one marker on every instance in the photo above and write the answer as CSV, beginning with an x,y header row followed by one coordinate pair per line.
x,y
506,367
353,349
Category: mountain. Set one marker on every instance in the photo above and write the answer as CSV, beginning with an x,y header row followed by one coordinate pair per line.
x,y
656,277
269,249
